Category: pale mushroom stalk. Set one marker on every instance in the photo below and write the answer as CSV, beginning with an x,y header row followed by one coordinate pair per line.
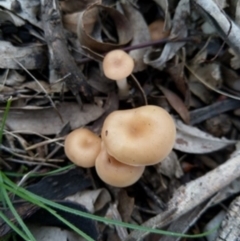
x,y
123,88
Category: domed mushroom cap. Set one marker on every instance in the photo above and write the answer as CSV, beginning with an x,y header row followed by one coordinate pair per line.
x,y
115,173
142,136
82,147
117,65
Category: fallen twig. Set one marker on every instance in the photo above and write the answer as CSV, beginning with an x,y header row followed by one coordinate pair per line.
x,y
192,194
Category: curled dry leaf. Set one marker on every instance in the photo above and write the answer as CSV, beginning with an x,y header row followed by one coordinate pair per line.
x,y
29,9
179,30
192,140
140,34
71,6
202,80
125,205
237,13
235,60
92,200
91,18
177,74
164,4
170,166
219,125
33,56
33,85
12,78
47,121
70,21
7,16
176,103
211,73
44,233
231,78
202,92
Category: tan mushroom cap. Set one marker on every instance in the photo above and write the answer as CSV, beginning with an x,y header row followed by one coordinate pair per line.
x,y
117,65
141,136
115,173
82,147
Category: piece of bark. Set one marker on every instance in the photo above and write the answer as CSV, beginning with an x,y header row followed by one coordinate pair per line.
x,y
62,61
230,227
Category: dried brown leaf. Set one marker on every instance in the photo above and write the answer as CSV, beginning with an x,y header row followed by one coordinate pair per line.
x,y
33,56
92,200
179,30
211,73
33,85
140,34
70,21
125,205
12,78
178,76
177,103
164,4
90,18
170,166
202,80
47,121
192,140
231,78
29,10
71,6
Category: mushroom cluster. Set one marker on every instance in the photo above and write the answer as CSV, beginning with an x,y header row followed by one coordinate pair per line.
x,y
131,140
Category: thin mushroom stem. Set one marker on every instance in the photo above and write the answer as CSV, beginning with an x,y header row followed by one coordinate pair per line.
x,y
123,88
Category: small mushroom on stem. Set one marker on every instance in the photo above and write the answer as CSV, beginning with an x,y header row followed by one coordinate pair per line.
x,y
140,137
115,173
82,147
118,65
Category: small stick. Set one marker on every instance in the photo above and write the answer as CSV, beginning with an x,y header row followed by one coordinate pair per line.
x,y
192,194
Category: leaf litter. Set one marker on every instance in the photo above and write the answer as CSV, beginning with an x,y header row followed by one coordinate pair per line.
x,y
51,54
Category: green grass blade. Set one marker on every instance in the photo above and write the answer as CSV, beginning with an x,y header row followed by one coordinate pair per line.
x,y
2,199
50,210
71,226
14,227
59,170
9,101
24,194
14,212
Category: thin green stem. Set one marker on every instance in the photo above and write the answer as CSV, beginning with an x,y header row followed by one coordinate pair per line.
x,y
24,193
14,227
13,210
4,119
59,170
